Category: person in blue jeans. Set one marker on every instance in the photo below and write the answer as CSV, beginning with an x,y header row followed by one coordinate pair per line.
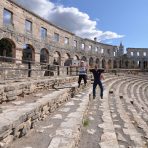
x,y
97,73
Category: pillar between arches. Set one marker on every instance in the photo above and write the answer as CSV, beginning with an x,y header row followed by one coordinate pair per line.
x,y
18,55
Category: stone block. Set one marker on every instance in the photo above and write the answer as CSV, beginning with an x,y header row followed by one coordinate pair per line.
x,y
1,90
18,92
10,94
35,117
5,126
9,88
18,128
22,86
111,91
4,98
5,134
32,88
8,139
12,98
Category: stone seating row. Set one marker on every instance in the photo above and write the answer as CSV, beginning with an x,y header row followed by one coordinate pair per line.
x,y
18,118
42,109
121,124
71,138
131,118
17,90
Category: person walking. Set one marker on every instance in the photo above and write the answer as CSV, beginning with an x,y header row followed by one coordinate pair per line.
x,y
97,73
82,73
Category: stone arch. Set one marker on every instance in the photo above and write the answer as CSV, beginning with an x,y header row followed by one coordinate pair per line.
x,y
84,58
57,58
145,64
115,64
108,51
28,53
7,49
98,62
67,59
103,63
76,57
127,64
91,61
109,64
132,64
44,55
75,60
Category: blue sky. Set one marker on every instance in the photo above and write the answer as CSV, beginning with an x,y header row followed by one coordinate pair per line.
x,y
126,17
111,21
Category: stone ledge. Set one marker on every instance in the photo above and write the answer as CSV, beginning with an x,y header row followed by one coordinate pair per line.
x,y
16,121
13,91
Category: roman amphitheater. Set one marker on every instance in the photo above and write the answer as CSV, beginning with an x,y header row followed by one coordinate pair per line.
x,y
41,105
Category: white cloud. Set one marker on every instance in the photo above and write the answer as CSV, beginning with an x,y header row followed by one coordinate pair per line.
x,y
40,7
69,18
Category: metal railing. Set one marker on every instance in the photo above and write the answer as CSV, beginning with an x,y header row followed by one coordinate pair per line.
x,y
12,68
16,69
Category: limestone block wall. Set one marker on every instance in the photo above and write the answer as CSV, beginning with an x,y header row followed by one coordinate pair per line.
x,y
138,57
24,118
13,91
16,33
19,36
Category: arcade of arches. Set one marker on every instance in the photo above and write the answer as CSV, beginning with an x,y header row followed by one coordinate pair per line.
x,y
8,49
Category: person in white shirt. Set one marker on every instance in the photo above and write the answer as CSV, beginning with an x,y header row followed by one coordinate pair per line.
x,y
82,73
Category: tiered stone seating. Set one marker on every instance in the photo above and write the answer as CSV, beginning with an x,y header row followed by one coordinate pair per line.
x,y
130,117
17,116
121,125
119,120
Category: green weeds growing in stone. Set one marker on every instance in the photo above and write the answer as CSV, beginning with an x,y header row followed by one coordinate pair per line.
x,y
85,122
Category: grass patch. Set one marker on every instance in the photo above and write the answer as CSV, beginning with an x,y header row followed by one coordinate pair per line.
x,y
85,122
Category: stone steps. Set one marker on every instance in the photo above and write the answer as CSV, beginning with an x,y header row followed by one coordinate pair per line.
x,y
140,122
114,120
100,132
17,119
134,116
61,128
136,91
11,91
129,127
119,117
81,107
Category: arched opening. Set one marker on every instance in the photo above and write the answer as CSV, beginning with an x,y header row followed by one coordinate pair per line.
x,y
57,58
7,49
28,53
126,64
84,58
67,61
75,60
44,56
76,57
91,61
133,64
120,64
109,64
97,61
103,63
145,64
115,64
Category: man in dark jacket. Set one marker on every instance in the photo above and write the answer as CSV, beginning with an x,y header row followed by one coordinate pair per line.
x,y
97,80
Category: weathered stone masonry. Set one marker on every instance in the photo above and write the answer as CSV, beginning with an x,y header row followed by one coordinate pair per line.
x,y
58,44
56,49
